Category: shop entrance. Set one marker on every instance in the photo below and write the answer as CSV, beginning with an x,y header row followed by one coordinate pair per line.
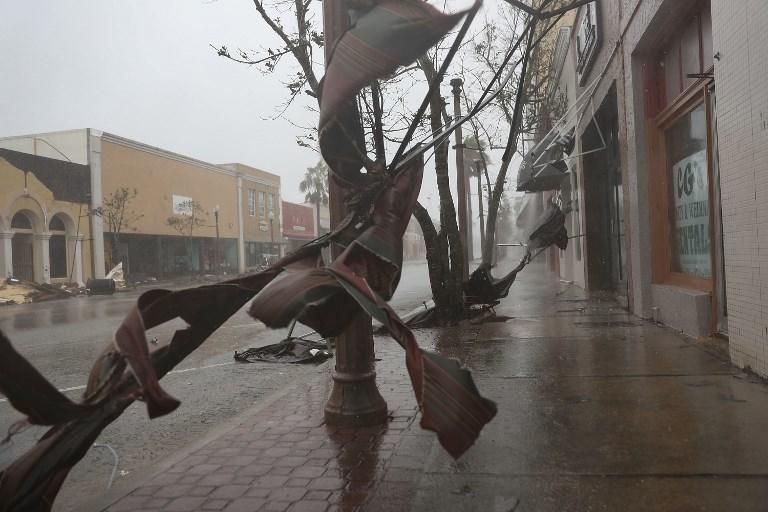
x,y
604,202
22,252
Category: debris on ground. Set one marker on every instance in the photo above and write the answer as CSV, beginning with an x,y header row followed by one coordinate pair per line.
x,y
290,350
464,489
117,275
18,291
100,286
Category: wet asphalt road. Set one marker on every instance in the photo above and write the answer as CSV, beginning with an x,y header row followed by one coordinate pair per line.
x,y
62,338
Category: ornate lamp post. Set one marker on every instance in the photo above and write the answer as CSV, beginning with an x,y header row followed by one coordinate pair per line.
x,y
355,399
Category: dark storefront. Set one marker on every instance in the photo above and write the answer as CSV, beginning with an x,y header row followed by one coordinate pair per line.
x,y
298,225
154,256
604,201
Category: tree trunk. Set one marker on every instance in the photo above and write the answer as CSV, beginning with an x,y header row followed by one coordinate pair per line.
x,y
450,306
449,229
437,258
498,188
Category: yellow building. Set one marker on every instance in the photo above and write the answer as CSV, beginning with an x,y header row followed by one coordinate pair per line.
x,y
184,215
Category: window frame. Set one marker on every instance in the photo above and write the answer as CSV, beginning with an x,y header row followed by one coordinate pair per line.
x,y
659,204
252,202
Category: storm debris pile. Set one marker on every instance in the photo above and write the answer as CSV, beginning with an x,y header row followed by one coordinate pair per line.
x,y
17,291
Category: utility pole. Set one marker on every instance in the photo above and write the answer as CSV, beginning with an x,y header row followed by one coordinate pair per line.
x,y
461,179
480,202
355,399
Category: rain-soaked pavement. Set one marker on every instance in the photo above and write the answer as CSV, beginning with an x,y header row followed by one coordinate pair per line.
x,y
598,411
62,338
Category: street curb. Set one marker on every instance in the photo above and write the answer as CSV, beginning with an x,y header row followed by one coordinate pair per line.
x,y
145,475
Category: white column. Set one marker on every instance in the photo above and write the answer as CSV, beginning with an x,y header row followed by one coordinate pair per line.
x,y
75,243
97,225
240,227
42,257
6,254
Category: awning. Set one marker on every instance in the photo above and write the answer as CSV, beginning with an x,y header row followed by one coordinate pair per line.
x,y
543,167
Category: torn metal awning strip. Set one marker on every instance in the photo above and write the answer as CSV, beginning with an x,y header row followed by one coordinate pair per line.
x,y
544,166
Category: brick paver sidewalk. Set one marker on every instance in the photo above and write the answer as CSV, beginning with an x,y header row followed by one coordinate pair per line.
x,y
283,457
598,410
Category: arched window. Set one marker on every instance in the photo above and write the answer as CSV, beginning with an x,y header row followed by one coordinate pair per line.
x,y
56,224
57,247
21,221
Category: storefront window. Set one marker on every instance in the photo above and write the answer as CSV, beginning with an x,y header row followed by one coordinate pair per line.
x,y
686,142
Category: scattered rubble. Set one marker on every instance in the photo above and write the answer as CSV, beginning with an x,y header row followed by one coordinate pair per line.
x,y
117,275
17,291
292,349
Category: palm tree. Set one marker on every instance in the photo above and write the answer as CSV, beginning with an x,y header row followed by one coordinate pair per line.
x,y
475,153
314,186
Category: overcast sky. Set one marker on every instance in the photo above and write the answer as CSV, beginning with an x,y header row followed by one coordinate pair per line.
x,y
143,69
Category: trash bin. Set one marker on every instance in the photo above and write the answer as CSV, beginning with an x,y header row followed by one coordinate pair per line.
x,y
100,286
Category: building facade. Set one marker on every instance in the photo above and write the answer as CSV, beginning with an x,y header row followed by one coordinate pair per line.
x,y
667,181
44,234
186,215
298,225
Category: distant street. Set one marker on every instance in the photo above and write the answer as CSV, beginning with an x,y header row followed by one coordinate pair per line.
x,y
62,338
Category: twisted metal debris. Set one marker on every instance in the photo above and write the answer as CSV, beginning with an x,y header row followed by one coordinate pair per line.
x,y
300,286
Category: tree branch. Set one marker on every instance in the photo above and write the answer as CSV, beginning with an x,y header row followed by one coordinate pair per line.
x,y
298,51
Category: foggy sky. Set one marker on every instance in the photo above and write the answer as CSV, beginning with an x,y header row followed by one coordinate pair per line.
x,y
143,69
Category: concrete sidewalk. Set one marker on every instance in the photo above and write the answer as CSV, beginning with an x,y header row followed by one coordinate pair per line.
x,y
597,411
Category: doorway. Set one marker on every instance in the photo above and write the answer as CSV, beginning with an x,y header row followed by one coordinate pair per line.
x,y
22,249
604,201
57,248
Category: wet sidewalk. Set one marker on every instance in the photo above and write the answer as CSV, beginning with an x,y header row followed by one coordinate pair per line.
x,y
598,410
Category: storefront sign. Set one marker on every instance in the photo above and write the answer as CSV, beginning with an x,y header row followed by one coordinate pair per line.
x,y
182,205
691,214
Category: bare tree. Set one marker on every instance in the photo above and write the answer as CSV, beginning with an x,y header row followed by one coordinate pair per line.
x,y
116,211
521,107
380,105
193,217
293,22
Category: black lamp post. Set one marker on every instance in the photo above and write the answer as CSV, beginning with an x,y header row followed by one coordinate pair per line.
x,y
272,232
216,248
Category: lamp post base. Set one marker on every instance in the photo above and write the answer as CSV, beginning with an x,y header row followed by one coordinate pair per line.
x,y
355,401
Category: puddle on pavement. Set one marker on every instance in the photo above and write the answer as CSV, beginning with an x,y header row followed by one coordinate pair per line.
x,y
608,323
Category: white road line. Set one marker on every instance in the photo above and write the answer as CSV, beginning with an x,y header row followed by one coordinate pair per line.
x,y
185,370
201,367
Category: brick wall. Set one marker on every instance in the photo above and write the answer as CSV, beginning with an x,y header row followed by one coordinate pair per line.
x,y
741,77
